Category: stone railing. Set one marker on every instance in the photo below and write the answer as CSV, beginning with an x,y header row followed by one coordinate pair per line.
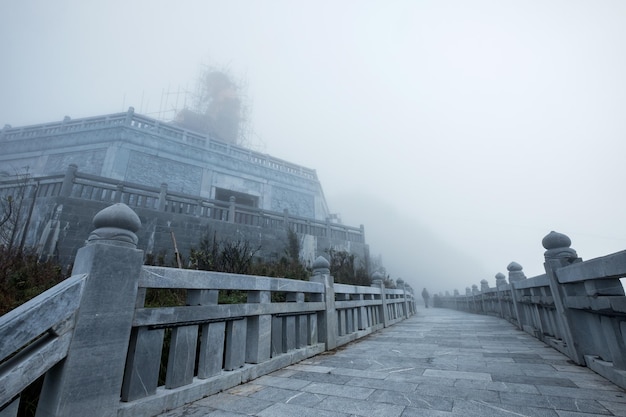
x,y
102,349
577,307
84,186
131,120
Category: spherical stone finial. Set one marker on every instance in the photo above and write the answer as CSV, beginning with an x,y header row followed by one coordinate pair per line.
x,y
514,267
557,246
500,279
115,225
515,272
400,282
554,240
321,266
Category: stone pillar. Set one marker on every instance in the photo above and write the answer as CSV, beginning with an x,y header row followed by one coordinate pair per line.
x,y
129,116
515,272
500,279
89,380
119,194
68,180
500,282
557,255
162,196
231,209
405,305
377,281
326,321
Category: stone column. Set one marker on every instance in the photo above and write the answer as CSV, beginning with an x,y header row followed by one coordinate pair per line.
x,y
129,116
500,282
557,255
326,321
89,380
405,305
377,281
231,209
162,197
68,180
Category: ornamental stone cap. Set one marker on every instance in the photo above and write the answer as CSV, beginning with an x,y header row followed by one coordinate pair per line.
x,y
500,275
557,246
514,267
321,266
115,225
554,240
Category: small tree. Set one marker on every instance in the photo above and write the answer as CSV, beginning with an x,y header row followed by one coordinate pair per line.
x,y
344,268
13,211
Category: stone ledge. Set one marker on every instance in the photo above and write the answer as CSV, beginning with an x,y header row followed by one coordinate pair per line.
x,y
607,370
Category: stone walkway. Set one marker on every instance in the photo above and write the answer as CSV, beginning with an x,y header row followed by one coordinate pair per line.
x,y
439,363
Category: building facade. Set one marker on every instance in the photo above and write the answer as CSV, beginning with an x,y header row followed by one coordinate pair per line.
x,y
182,184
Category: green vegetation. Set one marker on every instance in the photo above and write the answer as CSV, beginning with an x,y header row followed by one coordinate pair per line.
x,y
23,276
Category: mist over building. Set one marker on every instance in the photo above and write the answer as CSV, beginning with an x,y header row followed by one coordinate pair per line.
x,y
183,185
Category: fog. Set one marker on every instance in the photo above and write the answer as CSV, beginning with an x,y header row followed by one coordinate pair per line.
x,y
459,133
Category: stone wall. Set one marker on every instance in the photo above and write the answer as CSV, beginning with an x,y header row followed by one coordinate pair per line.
x,y
70,220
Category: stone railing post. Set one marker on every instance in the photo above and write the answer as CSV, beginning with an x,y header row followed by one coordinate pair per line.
x,y
405,304
377,281
326,321
500,282
516,275
557,255
68,180
89,380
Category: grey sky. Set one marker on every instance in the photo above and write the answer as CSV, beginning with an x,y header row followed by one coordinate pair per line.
x,y
458,132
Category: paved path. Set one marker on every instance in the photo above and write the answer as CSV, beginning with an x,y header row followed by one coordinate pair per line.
x,y
439,363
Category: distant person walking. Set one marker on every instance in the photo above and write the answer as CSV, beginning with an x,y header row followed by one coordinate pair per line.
x,y
425,296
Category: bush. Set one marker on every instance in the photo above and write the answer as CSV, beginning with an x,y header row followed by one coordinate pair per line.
x,y
23,276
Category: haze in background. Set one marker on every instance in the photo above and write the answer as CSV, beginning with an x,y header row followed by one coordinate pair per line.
x,y
458,132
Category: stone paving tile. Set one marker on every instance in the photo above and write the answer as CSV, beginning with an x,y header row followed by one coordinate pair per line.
x,y
234,403
618,396
553,402
383,384
535,380
289,396
347,391
483,409
272,381
290,410
361,408
321,378
412,399
479,376
497,386
618,409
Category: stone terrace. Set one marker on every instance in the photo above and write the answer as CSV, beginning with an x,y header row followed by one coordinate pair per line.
x,y
438,363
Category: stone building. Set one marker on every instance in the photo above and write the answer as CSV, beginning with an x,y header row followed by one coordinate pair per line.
x,y
181,183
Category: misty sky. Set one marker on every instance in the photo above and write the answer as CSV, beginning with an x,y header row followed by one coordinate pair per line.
x,y
458,132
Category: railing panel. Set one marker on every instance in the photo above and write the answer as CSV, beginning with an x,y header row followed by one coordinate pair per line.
x,y
161,277
35,360
38,315
606,267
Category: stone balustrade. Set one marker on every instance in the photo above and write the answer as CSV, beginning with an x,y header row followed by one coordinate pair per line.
x,y
577,307
101,348
80,185
133,120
